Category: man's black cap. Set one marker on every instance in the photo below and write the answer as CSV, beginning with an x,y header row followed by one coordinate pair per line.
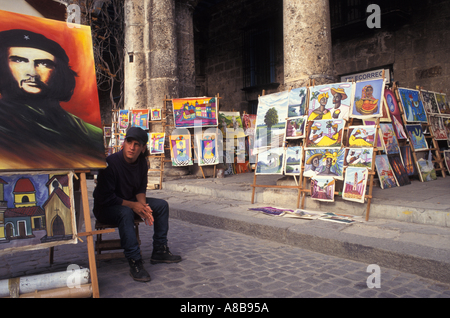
x,y
137,133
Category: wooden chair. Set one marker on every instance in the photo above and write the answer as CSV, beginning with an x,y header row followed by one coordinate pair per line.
x,y
111,244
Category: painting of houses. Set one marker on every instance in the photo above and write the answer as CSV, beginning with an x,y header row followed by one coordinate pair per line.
x,y
156,141
195,112
139,118
355,183
36,211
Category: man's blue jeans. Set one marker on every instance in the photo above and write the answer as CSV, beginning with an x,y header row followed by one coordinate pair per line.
x,y
124,217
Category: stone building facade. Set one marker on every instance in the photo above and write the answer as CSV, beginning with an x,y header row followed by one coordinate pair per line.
x,y
240,48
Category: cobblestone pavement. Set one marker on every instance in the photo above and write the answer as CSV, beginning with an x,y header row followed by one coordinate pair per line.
x,y
223,264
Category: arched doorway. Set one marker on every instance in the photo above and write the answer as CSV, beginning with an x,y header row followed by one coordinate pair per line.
x,y
58,226
9,231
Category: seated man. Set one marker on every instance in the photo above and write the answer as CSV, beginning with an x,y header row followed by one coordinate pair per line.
x,y
120,196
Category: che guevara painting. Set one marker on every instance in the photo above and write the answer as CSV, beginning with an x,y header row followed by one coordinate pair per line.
x,y
49,106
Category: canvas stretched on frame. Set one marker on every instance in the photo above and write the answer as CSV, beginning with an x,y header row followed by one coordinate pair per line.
x,y
416,137
270,161
38,210
322,188
180,150
330,101
443,105
207,148
295,127
327,133
71,47
293,161
437,127
195,112
358,157
389,140
429,102
139,118
156,141
355,183
385,173
368,99
361,136
396,116
412,105
324,162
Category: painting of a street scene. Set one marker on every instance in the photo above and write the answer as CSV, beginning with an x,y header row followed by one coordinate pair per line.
x,y
325,133
195,112
271,121
322,189
330,101
36,211
355,184
270,161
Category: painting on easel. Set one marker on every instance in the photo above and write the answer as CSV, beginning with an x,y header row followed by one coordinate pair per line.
x,y
327,133
412,104
295,127
37,211
355,184
395,113
325,163
437,127
429,102
180,150
270,161
385,173
195,112
358,157
139,118
361,136
297,102
293,161
443,105
417,137
447,159
330,101
207,148
322,188
49,100
368,99
156,141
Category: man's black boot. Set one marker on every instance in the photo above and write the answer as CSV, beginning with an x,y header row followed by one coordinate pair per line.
x,y
137,271
162,254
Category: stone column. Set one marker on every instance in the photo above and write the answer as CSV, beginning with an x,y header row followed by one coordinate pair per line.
x,y
135,64
307,42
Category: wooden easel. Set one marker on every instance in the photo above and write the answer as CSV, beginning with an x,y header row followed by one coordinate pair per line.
x,y
298,186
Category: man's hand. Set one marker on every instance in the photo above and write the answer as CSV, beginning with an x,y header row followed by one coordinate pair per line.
x,y
145,212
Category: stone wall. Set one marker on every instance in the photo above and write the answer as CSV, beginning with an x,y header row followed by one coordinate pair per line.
x,y
418,51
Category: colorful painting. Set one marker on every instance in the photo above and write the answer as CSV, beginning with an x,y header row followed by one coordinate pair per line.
x,y
408,161
368,99
37,211
416,137
139,118
395,113
412,105
249,124
385,173
443,105
429,102
426,169
361,136
195,112
358,157
330,101
447,159
270,161
399,170
297,102
230,123
437,127
156,142
327,133
293,160
49,99
322,188
207,148
180,149
372,122
389,140
295,127
124,118
271,121
324,162
155,114
355,183
446,122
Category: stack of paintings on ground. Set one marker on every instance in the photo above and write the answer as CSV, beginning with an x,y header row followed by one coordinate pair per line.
x,y
341,132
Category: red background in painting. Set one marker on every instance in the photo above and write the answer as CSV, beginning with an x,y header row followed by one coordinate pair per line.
x,y
77,43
